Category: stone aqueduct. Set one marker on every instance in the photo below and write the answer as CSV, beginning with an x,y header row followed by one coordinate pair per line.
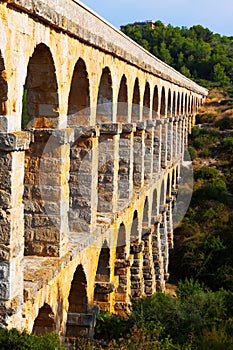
x,y
90,165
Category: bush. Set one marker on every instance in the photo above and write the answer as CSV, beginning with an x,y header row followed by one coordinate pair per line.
x,y
15,340
224,123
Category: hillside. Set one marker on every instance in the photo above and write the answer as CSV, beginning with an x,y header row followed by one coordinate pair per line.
x,y
196,52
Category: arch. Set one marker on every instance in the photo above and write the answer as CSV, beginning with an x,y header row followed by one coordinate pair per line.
x,y
104,100
103,269
136,102
178,104
146,102
78,292
185,103
155,203
44,322
155,103
162,196
3,87
122,101
145,218
134,227
40,108
174,112
169,104
121,242
163,103
191,105
79,97
78,303
182,103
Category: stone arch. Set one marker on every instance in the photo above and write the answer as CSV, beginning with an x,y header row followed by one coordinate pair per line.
x,y
182,103
145,218
121,242
3,87
134,228
174,111
78,292
178,104
169,103
191,105
154,203
122,101
78,304
79,96
103,268
185,103
105,96
44,322
135,117
155,104
121,271
162,196
40,101
103,287
163,103
168,186
146,102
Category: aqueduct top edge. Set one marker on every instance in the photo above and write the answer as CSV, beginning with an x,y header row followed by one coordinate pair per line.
x,y
77,19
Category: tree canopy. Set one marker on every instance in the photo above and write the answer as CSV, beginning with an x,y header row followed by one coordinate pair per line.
x,y
196,52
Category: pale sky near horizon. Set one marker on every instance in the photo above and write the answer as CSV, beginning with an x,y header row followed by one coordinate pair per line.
x,y
217,15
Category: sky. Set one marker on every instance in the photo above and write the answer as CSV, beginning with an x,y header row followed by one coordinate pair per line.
x,y
217,15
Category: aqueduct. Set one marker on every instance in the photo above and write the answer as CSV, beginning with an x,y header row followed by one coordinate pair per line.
x,y
92,136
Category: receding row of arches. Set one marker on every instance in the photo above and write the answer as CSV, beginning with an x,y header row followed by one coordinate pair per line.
x,y
41,98
78,303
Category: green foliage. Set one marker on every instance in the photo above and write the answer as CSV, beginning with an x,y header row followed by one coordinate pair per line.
x,y
196,52
224,123
13,339
194,318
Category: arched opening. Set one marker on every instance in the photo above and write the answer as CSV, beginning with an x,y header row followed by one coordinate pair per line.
x,y
44,323
185,104
79,99
121,242
136,102
103,287
103,269
155,105
163,103
154,204
191,105
146,102
178,104
182,103
174,112
104,100
122,102
162,197
145,218
169,104
77,305
3,87
134,228
78,294
40,98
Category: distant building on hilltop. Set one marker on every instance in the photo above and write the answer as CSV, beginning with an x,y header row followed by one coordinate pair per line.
x,y
148,22
141,24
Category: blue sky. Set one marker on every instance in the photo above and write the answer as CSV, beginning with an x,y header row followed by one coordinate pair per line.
x,y
217,15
